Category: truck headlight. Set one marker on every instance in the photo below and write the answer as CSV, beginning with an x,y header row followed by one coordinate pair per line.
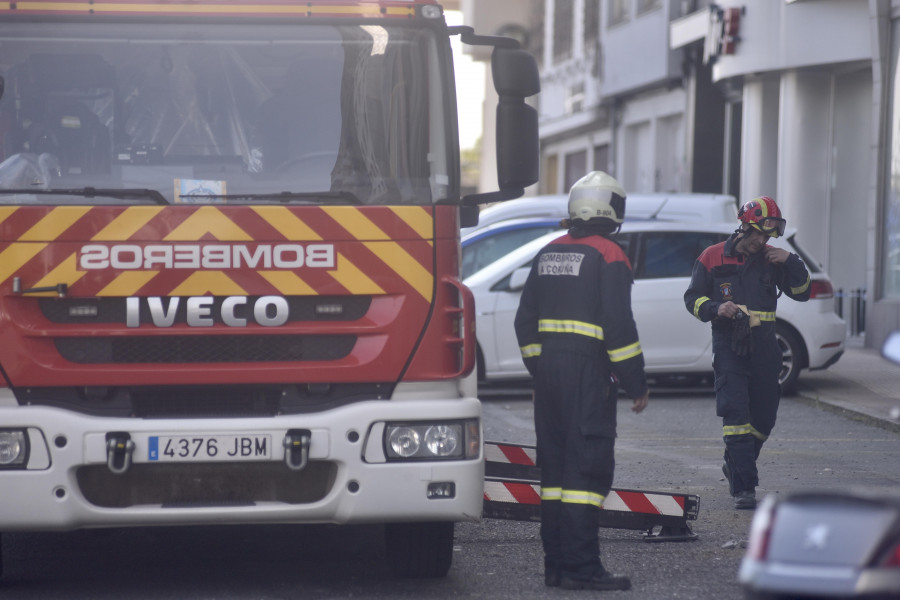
x,y
432,441
13,448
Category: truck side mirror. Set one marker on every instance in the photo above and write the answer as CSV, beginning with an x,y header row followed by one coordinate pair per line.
x,y
516,77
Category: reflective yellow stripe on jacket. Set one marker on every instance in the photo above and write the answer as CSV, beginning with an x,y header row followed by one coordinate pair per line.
x,y
763,315
802,288
531,350
580,328
567,326
625,352
698,303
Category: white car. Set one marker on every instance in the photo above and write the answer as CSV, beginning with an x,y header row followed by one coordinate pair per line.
x,y
677,347
658,205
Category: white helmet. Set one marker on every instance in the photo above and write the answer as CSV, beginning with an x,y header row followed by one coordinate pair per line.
x,y
597,195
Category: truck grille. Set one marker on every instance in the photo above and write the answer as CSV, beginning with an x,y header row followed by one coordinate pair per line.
x,y
204,349
78,311
204,401
206,484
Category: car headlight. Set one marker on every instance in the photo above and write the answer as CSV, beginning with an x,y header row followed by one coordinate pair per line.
x,y
432,441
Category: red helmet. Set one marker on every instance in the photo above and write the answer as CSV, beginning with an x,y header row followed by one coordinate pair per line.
x,y
763,215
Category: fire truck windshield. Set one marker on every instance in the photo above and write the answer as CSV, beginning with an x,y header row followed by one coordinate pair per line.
x,y
225,113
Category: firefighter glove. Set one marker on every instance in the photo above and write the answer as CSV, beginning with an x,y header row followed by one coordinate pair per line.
x,y
741,338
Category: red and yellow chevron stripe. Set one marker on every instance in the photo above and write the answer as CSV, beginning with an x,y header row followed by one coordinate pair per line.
x,y
378,250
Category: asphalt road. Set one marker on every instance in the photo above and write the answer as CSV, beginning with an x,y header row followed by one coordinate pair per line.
x,y
674,446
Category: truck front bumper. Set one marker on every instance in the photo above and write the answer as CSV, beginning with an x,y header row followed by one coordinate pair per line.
x,y
74,477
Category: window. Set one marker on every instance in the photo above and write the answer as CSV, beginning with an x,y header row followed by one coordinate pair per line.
x,y
576,167
562,30
619,12
671,253
644,6
550,175
574,102
601,157
591,22
670,169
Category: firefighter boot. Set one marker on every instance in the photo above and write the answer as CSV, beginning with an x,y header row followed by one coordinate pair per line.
x,y
602,580
552,577
745,500
552,573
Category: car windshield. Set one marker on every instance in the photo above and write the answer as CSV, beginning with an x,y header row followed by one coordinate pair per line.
x,y
221,114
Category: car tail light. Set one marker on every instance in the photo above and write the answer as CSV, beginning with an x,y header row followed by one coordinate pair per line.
x,y
893,557
761,529
821,289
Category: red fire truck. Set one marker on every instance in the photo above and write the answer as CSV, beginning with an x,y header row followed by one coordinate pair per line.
x,y
229,266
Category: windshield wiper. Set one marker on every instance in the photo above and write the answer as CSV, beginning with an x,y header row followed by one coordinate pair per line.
x,y
91,192
308,197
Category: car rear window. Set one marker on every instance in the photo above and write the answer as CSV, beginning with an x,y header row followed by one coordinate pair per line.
x,y
811,264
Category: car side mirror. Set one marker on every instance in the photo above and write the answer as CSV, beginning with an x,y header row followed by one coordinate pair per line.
x,y
518,278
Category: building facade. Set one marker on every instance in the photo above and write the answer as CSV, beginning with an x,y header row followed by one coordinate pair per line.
x,y
789,98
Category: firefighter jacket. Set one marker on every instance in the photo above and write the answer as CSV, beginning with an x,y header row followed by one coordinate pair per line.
x,y
721,273
578,297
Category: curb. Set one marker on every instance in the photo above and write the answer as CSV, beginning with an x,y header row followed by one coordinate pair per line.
x,y
811,397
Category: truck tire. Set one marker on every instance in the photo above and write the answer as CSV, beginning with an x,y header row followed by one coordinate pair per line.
x,y
419,550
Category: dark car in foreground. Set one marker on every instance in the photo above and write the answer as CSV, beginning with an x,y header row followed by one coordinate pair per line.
x,y
826,544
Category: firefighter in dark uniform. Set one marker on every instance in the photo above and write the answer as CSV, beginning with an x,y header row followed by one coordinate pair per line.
x,y
576,332
736,284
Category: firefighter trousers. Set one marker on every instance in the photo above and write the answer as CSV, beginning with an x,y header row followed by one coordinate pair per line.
x,y
575,423
747,398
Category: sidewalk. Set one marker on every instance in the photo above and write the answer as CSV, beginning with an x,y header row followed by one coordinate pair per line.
x,y
862,384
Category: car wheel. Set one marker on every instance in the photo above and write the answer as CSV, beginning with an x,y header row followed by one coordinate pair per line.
x,y
791,357
419,550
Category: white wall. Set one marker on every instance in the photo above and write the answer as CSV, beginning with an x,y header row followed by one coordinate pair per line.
x,y
776,35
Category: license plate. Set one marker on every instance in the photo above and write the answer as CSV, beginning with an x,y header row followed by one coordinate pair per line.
x,y
205,448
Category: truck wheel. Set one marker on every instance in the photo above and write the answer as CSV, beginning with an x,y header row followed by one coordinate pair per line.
x,y
419,550
791,357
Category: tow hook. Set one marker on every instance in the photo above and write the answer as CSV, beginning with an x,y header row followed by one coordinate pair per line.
x,y
119,449
296,448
